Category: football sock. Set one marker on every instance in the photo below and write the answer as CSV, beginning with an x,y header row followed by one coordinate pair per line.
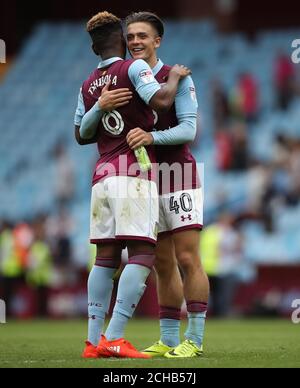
x,y
196,322
116,327
100,285
169,332
169,326
130,290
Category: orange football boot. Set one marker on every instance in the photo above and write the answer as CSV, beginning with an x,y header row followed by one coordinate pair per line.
x,y
101,348
118,348
90,351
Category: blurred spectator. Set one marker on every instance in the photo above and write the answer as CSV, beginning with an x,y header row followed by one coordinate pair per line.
x,y
9,266
294,172
23,237
14,251
222,255
263,193
65,183
220,104
59,229
286,162
284,78
244,101
232,148
39,267
224,150
260,180
240,153
281,151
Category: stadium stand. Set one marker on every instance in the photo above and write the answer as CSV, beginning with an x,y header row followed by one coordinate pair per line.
x,y
39,95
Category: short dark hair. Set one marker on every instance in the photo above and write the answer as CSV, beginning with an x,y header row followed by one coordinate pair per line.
x,y
101,26
147,17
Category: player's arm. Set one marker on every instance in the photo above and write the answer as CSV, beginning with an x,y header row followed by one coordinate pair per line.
x,y
158,98
79,116
186,112
82,141
163,100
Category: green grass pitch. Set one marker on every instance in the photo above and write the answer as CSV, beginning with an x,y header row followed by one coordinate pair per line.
x,y
58,344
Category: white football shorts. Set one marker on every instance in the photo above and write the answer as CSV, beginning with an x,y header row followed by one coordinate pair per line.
x,y
179,211
124,208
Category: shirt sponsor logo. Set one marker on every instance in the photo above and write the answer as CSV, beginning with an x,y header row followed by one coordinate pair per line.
x,y
188,218
193,93
147,76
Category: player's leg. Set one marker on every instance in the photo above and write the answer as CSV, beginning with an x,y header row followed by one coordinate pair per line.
x,y
131,286
107,262
186,219
169,286
169,282
170,297
100,286
196,291
195,283
136,217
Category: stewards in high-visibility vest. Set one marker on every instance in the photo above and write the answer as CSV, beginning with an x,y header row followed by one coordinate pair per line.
x,y
10,265
222,254
40,266
14,248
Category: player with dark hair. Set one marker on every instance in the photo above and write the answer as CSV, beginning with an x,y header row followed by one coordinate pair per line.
x,y
181,204
119,218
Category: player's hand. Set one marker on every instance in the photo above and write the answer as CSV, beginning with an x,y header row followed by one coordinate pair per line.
x,y
180,71
113,99
137,137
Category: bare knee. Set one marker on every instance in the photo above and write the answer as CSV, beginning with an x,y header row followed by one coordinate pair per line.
x,y
165,265
109,250
136,248
189,261
109,254
165,259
